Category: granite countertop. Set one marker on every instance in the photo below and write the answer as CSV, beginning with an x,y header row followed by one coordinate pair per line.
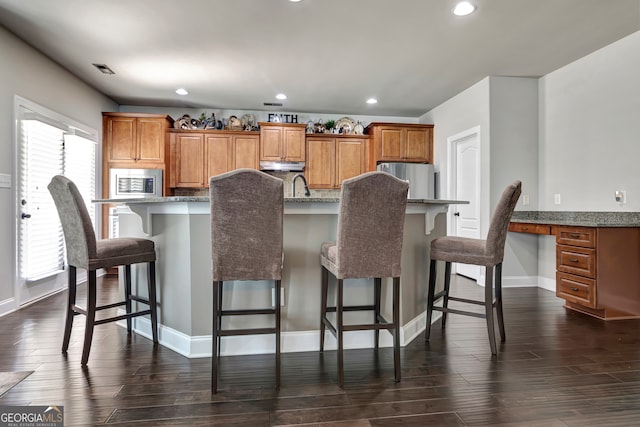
x,y
190,199
580,219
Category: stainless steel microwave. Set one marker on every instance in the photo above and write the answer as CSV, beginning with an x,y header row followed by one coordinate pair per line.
x,y
134,183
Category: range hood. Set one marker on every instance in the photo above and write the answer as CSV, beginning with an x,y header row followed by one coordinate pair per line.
x,y
282,166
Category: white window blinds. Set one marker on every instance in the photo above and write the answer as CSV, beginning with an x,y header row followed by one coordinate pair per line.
x,y
48,148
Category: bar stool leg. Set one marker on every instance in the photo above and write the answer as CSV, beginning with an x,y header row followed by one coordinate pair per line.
x,y
339,334
323,304
214,338
396,331
153,303
430,298
127,295
277,308
91,315
71,302
377,296
488,306
498,279
447,285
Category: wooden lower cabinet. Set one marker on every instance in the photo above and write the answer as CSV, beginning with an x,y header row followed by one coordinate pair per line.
x,y
597,268
196,156
332,159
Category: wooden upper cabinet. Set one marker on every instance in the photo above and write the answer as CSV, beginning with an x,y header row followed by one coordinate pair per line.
x,y
133,139
332,159
189,156
197,156
393,142
282,141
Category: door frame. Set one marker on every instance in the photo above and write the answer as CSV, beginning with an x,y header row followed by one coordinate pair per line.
x,y
452,170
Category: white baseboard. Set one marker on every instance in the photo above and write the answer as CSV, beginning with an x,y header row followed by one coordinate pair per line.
x,y
200,346
7,306
547,284
520,281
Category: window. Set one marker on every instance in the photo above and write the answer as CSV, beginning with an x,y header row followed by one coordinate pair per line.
x,y
48,145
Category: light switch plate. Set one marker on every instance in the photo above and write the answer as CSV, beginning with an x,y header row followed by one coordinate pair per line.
x,y
621,196
5,180
556,198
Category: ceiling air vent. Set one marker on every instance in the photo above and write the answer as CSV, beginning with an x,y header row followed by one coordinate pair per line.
x,y
273,104
104,69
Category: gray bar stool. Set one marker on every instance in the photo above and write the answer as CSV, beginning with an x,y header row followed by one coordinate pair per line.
x,y
369,245
487,253
247,210
84,251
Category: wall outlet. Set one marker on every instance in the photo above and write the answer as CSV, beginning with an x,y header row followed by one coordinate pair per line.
x,y
525,200
621,196
556,198
5,180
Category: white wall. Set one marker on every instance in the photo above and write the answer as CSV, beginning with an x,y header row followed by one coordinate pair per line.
x,y
590,130
505,109
26,73
589,136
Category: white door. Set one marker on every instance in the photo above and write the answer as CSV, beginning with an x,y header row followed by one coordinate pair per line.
x,y
466,163
45,147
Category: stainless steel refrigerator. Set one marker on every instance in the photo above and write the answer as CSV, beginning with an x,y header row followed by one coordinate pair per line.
x,y
421,177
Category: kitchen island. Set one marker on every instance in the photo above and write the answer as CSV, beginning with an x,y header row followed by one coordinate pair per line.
x,y
181,230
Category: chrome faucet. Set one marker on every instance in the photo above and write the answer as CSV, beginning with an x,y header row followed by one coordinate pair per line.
x,y
293,185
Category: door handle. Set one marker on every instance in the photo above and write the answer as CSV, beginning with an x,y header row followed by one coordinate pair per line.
x,y
456,214
25,216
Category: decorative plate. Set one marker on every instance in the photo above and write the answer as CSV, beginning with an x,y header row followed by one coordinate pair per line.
x,y
345,125
248,121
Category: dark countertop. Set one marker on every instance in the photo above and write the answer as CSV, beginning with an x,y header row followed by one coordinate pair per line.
x,y
579,219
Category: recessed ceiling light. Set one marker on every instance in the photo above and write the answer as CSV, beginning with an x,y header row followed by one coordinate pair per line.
x,y
464,8
182,91
372,101
104,69
294,1
281,96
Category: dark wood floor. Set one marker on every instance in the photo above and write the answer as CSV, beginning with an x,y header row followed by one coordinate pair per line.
x,y
557,368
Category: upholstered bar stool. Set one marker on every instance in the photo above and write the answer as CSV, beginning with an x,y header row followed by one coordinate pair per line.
x,y
369,245
84,251
488,253
247,210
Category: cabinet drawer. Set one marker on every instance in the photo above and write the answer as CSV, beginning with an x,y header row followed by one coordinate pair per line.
x,y
523,227
579,290
577,236
576,260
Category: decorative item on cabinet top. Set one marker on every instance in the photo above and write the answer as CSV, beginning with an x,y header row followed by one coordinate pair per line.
x,y
343,126
246,122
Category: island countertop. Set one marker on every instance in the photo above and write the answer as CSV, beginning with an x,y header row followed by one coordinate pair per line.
x,y
192,199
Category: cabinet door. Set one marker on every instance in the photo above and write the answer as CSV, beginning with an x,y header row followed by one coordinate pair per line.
x,y
246,152
417,146
190,161
321,159
391,144
120,139
294,144
351,159
219,156
271,144
150,138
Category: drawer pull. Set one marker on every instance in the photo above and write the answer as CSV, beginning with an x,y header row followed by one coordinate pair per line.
x,y
525,228
574,235
573,259
573,288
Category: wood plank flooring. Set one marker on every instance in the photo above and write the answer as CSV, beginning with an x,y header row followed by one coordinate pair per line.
x,y
557,368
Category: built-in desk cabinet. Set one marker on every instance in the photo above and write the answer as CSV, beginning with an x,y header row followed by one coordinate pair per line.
x,y
597,268
333,158
198,155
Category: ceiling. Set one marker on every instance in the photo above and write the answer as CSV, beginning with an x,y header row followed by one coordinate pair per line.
x,y
327,56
